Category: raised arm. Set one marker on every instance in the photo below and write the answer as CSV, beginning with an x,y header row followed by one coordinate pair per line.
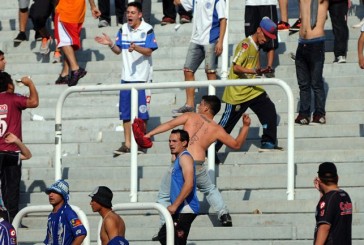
x,y
181,120
106,40
236,143
33,99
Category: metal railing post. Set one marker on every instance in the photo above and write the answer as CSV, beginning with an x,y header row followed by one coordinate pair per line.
x,y
225,49
211,149
134,149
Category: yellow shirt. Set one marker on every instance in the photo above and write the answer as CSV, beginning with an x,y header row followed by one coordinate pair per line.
x,y
246,55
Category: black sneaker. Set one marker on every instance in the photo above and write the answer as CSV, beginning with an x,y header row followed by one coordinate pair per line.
x,y
37,36
226,220
20,38
75,76
268,72
155,238
303,120
122,150
62,80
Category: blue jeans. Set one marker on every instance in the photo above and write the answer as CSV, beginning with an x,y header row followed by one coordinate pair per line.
x,y
310,57
203,182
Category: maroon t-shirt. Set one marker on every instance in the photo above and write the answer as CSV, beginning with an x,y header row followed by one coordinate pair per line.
x,y
11,106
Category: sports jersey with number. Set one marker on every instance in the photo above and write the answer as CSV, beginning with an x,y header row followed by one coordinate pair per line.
x,y
11,106
246,55
206,25
136,67
63,227
7,233
335,208
191,203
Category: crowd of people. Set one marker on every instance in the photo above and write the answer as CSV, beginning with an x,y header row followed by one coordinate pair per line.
x,y
136,42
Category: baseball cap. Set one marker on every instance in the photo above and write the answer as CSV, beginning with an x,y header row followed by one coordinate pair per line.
x,y
102,195
269,28
61,187
327,169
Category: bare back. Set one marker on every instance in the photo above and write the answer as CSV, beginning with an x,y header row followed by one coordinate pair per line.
x,y
112,226
318,31
203,132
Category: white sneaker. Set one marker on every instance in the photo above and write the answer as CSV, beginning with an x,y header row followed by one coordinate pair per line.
x,y
44,47
340,59
103,23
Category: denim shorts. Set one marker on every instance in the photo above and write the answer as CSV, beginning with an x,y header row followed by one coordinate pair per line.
x,y
197,53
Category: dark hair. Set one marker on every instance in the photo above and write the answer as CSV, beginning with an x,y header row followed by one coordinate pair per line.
x,y
1,52
329,180
5,79
138,5
183,135
214,103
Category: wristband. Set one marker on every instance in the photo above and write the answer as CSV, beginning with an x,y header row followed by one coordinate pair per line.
x,y
112,46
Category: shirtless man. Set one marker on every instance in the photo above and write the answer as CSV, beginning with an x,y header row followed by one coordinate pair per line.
x,y
203,131
113,227
310,57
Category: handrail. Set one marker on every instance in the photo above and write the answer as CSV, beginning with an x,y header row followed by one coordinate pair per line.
x,y
145,206
48,208
134,100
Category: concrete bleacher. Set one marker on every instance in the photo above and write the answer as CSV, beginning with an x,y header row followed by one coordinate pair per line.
x,y
253,184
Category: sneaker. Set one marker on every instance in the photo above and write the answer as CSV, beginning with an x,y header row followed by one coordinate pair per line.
x,y
226,220
292,56
167,20
75,76
185,19
122,150
44,47
57,57
20,37
183,109
269,146
302,120
318,119
37,36
340,59
296,26
283,26
103,23
268,72
62,80
155,238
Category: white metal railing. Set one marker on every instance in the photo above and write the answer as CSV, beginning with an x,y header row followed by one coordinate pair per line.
x,y
48,208
211,84
145,206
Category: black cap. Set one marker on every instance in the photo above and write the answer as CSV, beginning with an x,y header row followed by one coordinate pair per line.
x,y
102,195
327,169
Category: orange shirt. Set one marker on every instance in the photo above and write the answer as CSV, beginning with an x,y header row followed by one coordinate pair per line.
x,y
71,11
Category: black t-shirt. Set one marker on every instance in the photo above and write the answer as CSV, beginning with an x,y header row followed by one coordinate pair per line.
x,y
335,209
